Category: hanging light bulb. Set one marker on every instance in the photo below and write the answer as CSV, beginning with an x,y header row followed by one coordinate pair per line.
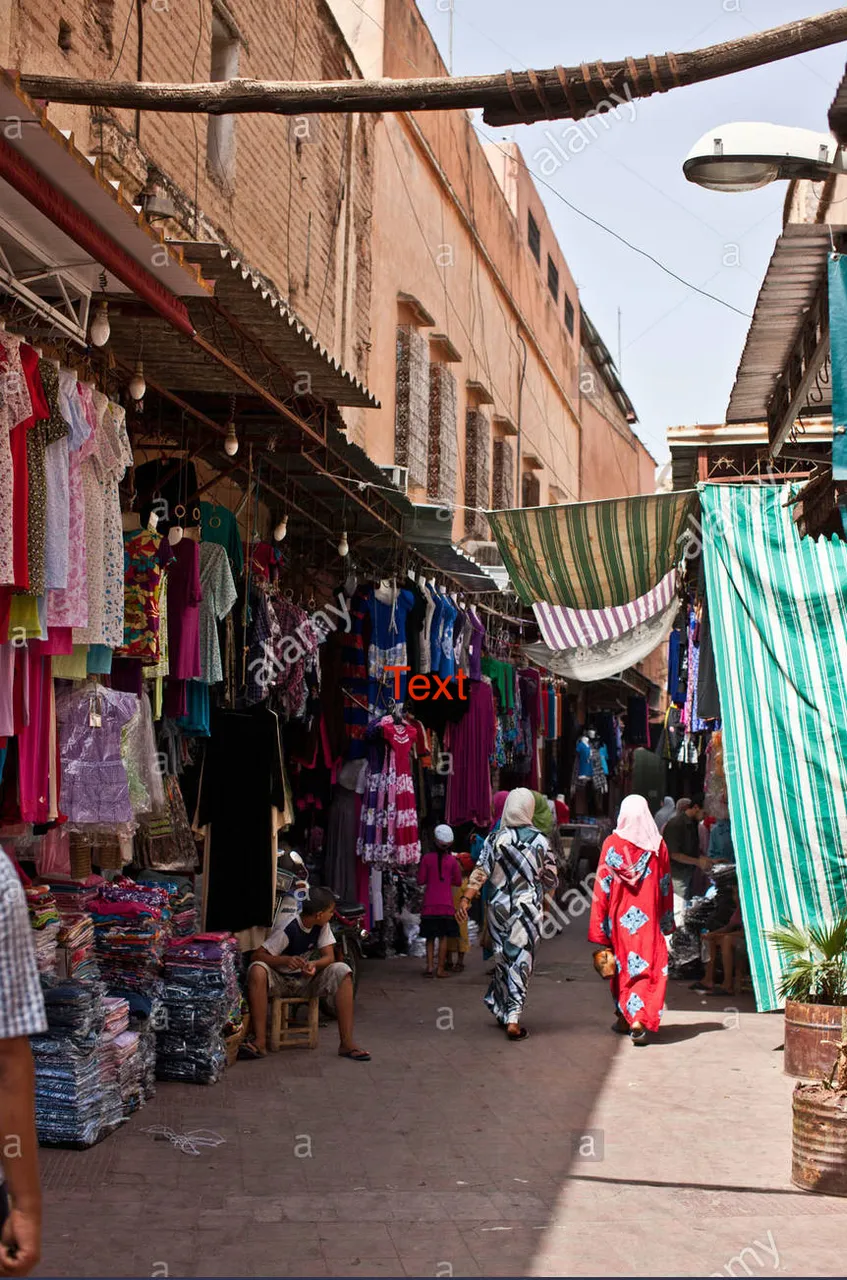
x,y
230,440
137,385
175,534
344,546
281,529
101,329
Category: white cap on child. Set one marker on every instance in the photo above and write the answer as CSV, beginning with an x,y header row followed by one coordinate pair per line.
x,y
443,834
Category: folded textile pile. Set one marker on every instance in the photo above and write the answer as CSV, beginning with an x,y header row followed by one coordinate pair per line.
x,y
75,956
200,991
181,901
130,933
77,1098
45,923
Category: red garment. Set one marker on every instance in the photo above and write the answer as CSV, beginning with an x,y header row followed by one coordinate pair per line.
x,y
632,911
563,813
402,830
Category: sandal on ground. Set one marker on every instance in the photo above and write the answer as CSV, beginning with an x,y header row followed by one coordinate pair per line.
x,y
521,1035
638,1037
248,1051
355,1055
428,973
443,973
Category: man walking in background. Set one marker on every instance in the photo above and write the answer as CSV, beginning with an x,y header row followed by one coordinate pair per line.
x,y
21,1015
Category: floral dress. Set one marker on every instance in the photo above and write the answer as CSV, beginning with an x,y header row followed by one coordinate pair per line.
x,y
146,554
15,407
68,606
388,832
632,912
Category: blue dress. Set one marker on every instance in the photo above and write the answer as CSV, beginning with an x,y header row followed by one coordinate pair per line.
x,y
388,612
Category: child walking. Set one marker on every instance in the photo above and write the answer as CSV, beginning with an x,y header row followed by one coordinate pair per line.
x,y
439,872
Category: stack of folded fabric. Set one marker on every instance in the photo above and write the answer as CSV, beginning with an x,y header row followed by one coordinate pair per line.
x,y
120,1053
200,991
77,1097
44,919
181,901
129,936
75,957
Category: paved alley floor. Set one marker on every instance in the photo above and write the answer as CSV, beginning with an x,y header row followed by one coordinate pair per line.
x,y
455,1153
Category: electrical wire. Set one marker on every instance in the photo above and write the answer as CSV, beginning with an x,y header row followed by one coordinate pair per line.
x,y
123,42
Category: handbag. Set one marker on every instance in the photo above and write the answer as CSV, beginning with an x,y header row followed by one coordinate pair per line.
x,y
604,962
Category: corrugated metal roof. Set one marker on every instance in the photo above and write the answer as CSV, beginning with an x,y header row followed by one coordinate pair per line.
x,y
254,302
792,280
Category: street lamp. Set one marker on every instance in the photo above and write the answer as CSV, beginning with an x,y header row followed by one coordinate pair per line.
x,y
745,156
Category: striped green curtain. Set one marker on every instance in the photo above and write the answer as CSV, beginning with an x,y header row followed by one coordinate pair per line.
x,y
592,555
778,607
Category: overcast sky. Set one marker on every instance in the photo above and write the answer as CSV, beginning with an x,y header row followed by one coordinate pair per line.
x,y
679,350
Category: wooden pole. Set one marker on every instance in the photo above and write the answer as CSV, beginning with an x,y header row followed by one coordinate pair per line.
x,y
511,98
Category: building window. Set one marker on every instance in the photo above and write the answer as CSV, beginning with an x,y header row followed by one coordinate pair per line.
x,y
503,491
533,235
570,316
477,471
530,490
441,475
553,278
220,130
411,413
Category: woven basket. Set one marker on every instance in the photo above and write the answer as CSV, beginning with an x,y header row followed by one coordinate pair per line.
x,y
233,1042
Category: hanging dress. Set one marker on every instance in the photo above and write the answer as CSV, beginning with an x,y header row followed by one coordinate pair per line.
x,y
68,606
402,824
15,407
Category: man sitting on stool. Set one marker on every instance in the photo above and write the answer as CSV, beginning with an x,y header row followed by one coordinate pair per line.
x,y
284,967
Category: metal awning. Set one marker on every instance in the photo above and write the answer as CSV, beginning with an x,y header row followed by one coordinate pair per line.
x,y
838,113
794,277
253,302
75,194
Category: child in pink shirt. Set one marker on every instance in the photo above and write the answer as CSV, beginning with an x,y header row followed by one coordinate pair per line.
x,y
438,872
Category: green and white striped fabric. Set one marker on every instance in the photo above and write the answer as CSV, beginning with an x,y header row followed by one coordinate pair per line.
x,y
592,555
778,607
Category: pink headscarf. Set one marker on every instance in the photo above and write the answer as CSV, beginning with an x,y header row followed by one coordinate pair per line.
x,y
636,824
499,805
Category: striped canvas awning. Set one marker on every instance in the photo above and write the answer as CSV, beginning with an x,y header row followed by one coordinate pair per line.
x,y
592,555
607,658
778,608
577,628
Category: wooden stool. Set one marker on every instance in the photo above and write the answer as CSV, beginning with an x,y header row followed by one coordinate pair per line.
x,y
285,1033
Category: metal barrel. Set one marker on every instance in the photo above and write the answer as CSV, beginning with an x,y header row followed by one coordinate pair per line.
x,y
819,1145
807,1028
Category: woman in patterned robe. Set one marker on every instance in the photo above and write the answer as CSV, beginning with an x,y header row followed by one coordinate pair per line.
x,y
519,869
632,913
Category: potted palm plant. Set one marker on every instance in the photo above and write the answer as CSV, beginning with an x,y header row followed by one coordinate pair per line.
x,y
814,987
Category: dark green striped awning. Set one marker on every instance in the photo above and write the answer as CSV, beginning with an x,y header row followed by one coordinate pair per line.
x,y
592,555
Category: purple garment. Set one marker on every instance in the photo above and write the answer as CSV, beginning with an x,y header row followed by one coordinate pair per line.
x,y
94,786
184,598
530,683
475,646
471,741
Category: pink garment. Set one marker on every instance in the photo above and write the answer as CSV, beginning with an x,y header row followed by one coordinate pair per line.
x,y
54,857
7,689
636,824
35,741
438,888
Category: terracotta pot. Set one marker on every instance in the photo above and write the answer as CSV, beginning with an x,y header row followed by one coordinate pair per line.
x,y
807,1027
819,1142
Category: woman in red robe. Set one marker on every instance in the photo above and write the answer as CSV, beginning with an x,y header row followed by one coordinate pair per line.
x,y
632,913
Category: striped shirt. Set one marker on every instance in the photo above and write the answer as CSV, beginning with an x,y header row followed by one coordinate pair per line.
x,y
21,1002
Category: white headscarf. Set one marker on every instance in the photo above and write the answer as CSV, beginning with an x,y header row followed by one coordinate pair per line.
x,y
519,809
636,824
665,813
